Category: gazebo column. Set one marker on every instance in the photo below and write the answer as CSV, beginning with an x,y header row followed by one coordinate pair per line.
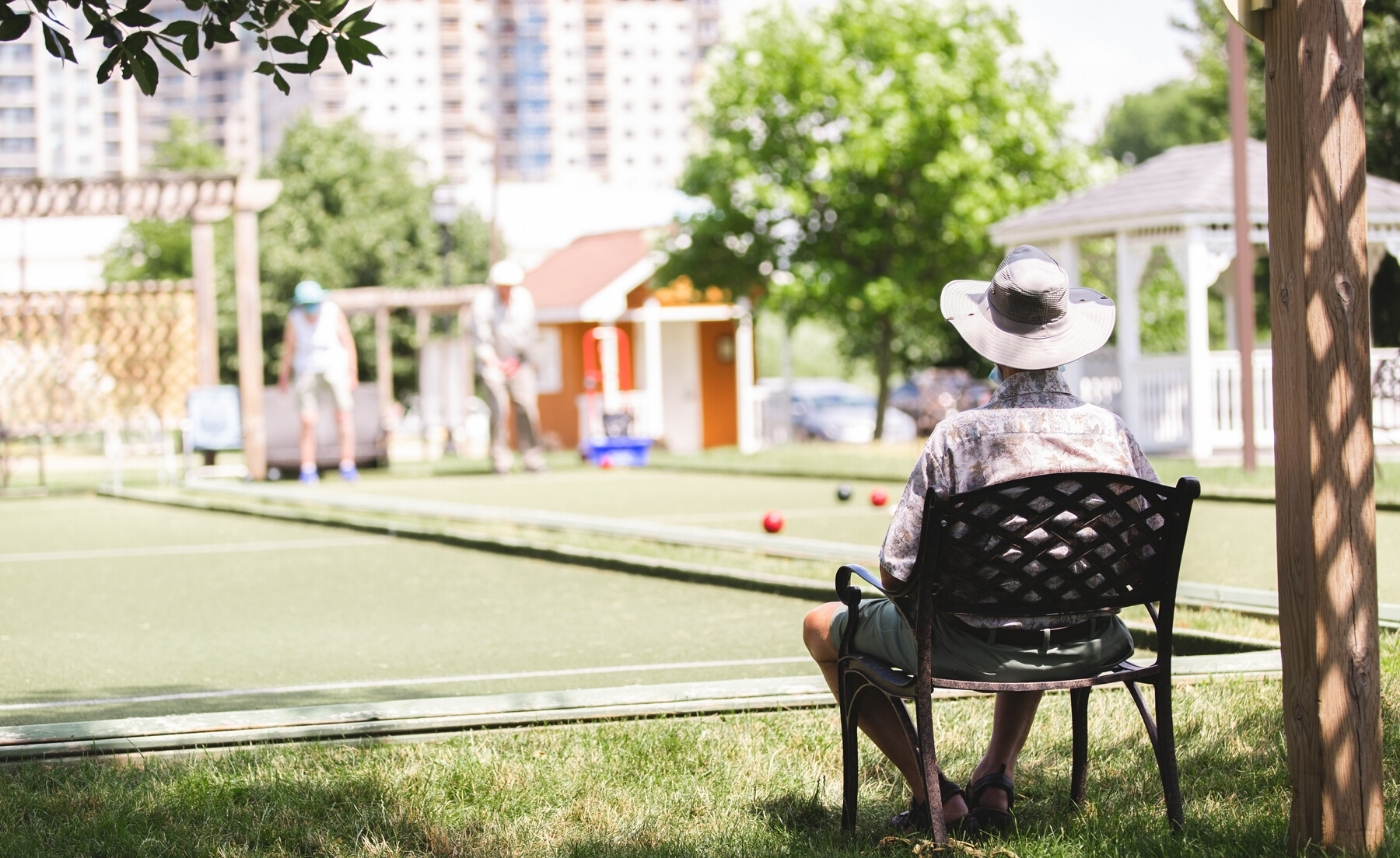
x,y
1199,266
1068,256
1131,260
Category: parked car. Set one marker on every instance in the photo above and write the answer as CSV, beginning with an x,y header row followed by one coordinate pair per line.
x,y
828,409
935,394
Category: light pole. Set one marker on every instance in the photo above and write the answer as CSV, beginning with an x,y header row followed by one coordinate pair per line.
x,y
443,211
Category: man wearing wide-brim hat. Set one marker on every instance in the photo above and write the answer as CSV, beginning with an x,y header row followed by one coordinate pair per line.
x,y
1028,321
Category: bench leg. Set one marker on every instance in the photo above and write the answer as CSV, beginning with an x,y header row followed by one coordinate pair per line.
x,y
1166,754
850,688
1079,712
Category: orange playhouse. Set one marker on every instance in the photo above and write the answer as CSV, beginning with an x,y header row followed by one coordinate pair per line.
x,y
682,360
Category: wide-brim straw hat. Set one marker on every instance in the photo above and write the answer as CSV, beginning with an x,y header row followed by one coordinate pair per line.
x,y
1028,316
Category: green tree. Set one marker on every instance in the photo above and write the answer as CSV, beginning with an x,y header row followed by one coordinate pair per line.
x,y
856,157
353,213
306,31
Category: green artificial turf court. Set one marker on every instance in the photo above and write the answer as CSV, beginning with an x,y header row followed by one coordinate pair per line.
x,y
1229,543
103,601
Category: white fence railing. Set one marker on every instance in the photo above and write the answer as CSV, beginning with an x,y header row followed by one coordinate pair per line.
x,y
1164,398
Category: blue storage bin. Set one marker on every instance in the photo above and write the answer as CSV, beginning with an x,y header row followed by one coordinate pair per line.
x,y
620,452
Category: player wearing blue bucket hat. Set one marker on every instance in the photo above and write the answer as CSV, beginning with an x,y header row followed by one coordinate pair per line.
x,y
320,353
308,293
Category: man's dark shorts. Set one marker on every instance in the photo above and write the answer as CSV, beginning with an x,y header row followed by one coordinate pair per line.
x,y
959,653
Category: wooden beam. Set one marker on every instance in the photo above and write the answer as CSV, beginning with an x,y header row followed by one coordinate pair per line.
x,y
367,299
1322,417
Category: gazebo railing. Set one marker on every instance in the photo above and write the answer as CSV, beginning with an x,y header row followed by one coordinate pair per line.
x,y
1164,401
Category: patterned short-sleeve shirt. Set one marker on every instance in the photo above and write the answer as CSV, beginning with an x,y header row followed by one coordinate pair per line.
x,y
1032,425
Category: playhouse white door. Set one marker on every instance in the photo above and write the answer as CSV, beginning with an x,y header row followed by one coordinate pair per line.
x,y
680,386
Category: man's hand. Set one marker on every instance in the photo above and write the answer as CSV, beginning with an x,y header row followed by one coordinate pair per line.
x,y
510,366
282,383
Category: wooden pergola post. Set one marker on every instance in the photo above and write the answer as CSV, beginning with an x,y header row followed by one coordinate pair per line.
x,y
1322,417
251,196
383,364
206,312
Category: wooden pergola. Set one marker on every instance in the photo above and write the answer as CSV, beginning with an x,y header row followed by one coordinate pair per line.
x,y
380,300
204,198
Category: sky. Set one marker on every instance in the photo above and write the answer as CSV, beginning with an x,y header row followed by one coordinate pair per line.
x,y
1105,49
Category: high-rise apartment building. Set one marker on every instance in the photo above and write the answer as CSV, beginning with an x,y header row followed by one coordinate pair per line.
x,y
538,89
515,90
55,120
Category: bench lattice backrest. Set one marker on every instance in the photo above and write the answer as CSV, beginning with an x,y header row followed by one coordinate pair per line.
x,y
1053,544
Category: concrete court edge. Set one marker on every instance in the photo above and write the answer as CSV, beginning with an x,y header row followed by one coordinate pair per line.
x,y
428,719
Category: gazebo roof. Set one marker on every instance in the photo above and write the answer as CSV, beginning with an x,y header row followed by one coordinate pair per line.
x,y
1183,186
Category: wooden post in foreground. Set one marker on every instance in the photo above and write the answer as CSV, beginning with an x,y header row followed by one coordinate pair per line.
x,y
1322,416
252,196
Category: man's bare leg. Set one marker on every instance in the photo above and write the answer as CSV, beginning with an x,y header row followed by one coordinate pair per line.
x,y
878,720
308,441
1011,725
345,424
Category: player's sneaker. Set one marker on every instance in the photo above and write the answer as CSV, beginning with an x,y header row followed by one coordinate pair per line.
x,y
349,473
309,478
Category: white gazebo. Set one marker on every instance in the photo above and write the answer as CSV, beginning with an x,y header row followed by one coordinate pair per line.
x,y
1182,201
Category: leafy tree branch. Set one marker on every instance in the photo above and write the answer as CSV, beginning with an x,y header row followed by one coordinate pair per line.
x,y
132,35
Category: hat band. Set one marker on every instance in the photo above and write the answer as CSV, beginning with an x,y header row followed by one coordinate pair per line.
x,y
1027,311
1029,330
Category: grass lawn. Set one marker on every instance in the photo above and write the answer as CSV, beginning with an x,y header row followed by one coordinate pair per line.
x,y
747,785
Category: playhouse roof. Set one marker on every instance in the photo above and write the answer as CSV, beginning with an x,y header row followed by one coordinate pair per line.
x,y
1185,185
587,266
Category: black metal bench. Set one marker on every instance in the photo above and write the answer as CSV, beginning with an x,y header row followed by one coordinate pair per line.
x,y
1040,546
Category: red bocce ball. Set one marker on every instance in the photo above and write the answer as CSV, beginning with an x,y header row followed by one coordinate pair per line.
x,y
773,522
878,497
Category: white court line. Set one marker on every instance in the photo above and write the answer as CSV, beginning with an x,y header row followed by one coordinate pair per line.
x,y
394,683
206,548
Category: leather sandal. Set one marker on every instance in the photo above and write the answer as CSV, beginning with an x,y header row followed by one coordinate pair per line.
x,y
916,817
992,819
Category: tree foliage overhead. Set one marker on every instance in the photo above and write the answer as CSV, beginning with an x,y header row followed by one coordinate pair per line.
x,y
1196,109
132,35
855,158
